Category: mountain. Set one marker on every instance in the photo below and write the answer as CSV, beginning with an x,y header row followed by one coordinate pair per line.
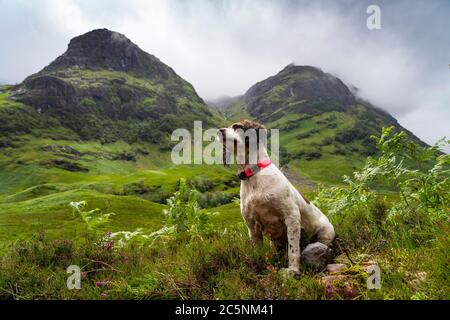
x,y
105,87
222,102
324,127
95,124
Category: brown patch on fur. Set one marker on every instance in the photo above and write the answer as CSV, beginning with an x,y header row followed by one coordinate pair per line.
x,y
248,124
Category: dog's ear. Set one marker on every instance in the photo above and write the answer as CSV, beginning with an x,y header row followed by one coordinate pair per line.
x,y
245,125
248,124
258,127
237,125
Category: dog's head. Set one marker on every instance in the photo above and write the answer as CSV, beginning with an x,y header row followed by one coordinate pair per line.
x,y
242,140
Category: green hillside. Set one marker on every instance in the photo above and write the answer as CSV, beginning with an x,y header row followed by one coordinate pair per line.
x,y
324,128
95,126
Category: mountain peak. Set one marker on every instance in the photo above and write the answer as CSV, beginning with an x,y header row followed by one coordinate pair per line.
x,y
106,49
100,39
105,87
297,83
292,67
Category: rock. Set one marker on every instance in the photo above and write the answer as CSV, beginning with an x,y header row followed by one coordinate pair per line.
x,y
335,267
316,255
47,93
368,266
70,150
342,258
66,165
110,50
340,286
422,276
142,151
416,279
289,273
61,149
125,157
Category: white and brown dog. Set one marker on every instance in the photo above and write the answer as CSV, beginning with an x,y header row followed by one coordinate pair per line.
x,y
270,204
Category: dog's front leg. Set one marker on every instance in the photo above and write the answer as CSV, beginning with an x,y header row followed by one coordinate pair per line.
x,y
255,233
293,233
254,229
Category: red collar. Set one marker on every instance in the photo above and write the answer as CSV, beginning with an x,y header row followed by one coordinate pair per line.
x,y
254,169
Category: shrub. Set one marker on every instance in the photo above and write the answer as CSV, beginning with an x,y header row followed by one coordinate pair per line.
x,y
352,134
216,198
184,214
88,102
202,183
93,218
307,134
423,194
308,155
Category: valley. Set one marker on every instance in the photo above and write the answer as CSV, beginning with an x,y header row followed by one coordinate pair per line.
x,y
85,155
95,126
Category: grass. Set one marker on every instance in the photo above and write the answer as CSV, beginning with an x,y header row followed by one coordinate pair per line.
x,y
22,219
5,102
213,269
222,266
33,194
236,112
3,96
39,235
330,166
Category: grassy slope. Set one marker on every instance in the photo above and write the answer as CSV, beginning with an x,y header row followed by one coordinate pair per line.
x,y
308,135
35,192
26,174
35,195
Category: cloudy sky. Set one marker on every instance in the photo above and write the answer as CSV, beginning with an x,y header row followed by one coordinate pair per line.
x,y
224,47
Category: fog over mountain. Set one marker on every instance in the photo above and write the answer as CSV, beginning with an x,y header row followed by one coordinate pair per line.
x,y
224,47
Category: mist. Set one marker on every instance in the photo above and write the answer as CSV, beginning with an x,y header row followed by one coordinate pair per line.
x,y
224,47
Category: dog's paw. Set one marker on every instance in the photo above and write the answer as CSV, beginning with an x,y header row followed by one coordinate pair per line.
x,y
290,273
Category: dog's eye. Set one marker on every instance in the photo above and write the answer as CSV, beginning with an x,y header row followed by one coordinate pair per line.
x,y
237,126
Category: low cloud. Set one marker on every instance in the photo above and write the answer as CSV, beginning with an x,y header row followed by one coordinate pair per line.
x,y
224,47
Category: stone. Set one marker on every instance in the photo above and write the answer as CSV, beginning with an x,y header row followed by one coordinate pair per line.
x,y
335,267
316,255
65,165
125,157
342,258
340,286
368,266
416,279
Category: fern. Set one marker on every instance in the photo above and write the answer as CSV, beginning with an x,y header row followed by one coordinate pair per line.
x,y
93,218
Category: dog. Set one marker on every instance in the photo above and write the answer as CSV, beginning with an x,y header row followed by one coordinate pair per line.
x,y
270,204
